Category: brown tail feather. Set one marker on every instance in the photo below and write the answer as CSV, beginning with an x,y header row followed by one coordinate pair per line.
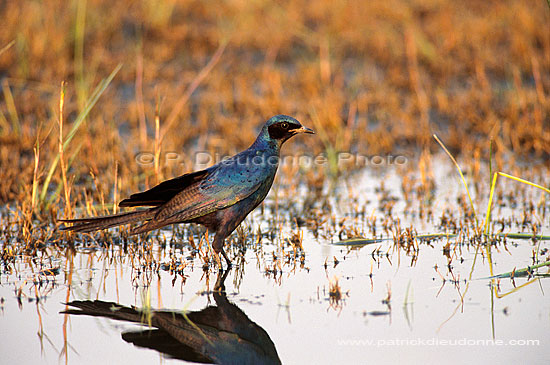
x,y
148,226
96,223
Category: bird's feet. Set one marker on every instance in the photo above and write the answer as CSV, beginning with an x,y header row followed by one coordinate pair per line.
x,y
217,257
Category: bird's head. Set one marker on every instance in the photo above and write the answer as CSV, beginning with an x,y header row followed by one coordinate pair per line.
x,y
281,127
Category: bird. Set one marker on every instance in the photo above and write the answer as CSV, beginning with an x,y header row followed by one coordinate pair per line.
x,y
220,334
218,197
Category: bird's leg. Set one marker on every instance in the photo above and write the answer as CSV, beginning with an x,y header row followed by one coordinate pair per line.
x,y
226,259
218,260
217,245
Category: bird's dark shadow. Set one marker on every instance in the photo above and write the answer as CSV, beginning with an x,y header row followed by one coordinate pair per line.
x,y
220,334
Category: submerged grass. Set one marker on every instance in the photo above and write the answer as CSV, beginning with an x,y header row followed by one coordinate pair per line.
x,y
487,235
200,77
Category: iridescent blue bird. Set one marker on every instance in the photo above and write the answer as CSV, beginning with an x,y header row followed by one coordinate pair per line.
x,y
219,197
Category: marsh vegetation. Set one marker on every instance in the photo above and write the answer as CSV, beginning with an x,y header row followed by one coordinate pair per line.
x,y
372,243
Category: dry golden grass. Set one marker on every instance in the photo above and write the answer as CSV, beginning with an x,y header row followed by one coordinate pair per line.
x,y
371,77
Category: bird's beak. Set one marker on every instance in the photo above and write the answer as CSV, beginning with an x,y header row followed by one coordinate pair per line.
x,y
304,130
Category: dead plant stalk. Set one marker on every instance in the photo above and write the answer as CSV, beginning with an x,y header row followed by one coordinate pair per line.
x,y
68,210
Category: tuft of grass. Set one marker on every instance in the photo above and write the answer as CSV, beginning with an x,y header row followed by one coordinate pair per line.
x,y
488,219
76,125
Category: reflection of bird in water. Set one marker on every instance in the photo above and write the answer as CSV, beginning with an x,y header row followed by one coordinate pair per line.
x,y
220,334
219,197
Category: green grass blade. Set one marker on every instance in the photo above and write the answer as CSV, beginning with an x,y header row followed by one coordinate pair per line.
x,y
524,236
76,125
489,205
360,241
493,185
524,181
90,104
461,176
432,236
526,271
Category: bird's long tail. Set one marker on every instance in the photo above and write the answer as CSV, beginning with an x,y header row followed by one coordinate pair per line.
x,y
97,223
99,308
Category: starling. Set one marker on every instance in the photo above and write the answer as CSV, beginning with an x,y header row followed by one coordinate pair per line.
x,y
220,334
219,197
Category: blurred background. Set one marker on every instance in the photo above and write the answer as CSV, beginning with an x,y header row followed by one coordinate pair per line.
x,y
150,85
370,77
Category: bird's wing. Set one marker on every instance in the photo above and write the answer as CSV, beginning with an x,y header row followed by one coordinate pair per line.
x,y
164,191
224,186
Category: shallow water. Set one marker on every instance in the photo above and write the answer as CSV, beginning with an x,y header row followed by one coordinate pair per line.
x,y
391,306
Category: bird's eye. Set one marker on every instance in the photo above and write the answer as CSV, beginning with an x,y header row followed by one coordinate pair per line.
x,y
284,125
